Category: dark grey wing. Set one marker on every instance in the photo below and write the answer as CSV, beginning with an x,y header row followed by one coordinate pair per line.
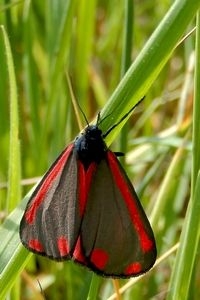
x,y
51,222
116,238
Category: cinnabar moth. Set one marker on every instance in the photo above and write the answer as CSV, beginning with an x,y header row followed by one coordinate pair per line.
x,y
86,209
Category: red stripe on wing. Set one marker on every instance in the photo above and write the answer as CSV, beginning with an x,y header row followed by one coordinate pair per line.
x,y
145,242
134,268
85,179
36,245
99,258
78,254
46,184
63,246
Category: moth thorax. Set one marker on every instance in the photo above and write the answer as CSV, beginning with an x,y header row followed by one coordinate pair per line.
x,y
90,146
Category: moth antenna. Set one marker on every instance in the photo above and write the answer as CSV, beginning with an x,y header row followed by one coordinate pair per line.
x,y
99,120
86,120
122,119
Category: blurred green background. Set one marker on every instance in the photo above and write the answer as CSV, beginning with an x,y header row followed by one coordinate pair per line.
x,y
95,42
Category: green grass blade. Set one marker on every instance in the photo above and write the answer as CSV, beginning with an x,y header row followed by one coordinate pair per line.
x,y
136,82
13,256
14,189
196,111
58,64
127,39
185,260
126,62
85,32
149,62
182,275
94,287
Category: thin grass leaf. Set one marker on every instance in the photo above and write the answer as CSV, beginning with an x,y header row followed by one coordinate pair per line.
x,y
184,267
149,62
164,192
126,62
85,31
14,257
94,287
58,62
14,190
136,82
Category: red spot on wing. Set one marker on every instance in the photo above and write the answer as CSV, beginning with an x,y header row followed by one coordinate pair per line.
x,y
85,179
63,246
99,258
145,242
30,214
78,254
35,245
134,268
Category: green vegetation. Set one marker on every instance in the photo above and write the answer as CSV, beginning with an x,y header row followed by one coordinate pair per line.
x,y
96,42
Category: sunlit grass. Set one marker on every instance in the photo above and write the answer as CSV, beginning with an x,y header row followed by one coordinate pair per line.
x,y
85,39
